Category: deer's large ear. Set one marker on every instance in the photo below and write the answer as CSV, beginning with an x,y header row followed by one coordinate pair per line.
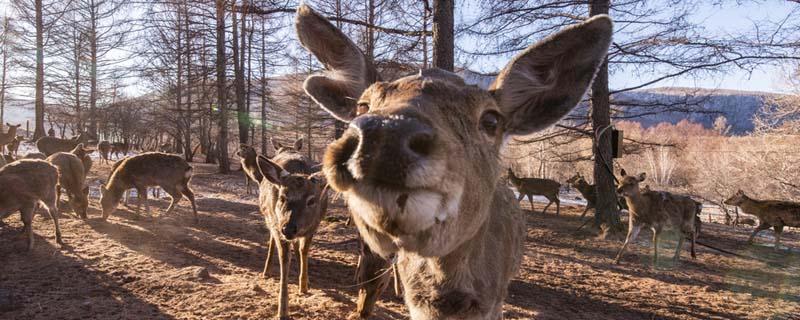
x,y
546,81
298,144
275,144
642,176
271,170
349,71
623,173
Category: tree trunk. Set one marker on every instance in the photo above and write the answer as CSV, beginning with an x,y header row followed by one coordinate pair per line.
x,y
187,125
443,46
263,87
3,78
178,82
606,216
39,91
93,72
222,137
238,82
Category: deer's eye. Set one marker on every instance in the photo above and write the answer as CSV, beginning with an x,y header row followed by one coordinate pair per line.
x,y
490,122
362,108
311,201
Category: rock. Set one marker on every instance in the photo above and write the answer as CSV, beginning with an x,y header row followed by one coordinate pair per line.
x,y
194,273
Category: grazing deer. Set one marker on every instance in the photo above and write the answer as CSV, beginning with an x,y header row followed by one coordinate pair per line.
x,y
248,157
419,164
13,146
119,147
293,202
9,136
23,185
170,172
50,145
72,178
104,147
535,186
658,210
774,214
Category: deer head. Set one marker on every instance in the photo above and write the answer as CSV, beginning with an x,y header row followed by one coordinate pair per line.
x,y
421,153
246,151
737,199
279,147
629,185
297,200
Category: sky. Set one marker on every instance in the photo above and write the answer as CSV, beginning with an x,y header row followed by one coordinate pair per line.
x,y
726,18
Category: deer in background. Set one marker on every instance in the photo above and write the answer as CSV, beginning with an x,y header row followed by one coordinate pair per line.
x,y
419,163
658,210
589,193
774,214
170,172
119,147
535,186
248,158
104,147
9,136
23,185
50,145
13,146
293,202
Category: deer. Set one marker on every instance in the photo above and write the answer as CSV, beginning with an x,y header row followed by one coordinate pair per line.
x,y
535,186
35,155
50,145
419,164
13,146
23,185
72,178
170,172
658,210
293,201
9,136
589,193
774,214
248,158
119,147
104,147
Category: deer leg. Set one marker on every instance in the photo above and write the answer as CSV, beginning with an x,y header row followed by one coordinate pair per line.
x,y
142,192
694,240
656,233
547,206
27,221
558,205
305,244
398,288
762,226
521,196
677,256
371,283
270,246
633,232
190,195
585,210
283,294
778,231
175,196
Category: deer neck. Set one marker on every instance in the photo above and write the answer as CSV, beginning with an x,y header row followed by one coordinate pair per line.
x,y
749,204
637,203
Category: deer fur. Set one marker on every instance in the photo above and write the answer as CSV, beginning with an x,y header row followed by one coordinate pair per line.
x,y
35,155
72,178
170,172
50,145
23,185
104,147
13,146
293,202
774,214
535,186
9,136
658,210
119,147
248,158
455,230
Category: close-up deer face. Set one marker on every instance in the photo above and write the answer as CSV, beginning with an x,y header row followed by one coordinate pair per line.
x,y
736,199
295,200
629,185
419,161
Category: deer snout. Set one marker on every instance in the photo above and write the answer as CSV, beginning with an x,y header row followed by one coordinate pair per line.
x,y
382,149
289,231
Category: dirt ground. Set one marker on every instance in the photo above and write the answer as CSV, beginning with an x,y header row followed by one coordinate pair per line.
x,y
129,268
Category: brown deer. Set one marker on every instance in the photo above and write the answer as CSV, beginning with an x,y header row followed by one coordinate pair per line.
x,y
774,214
104,147
72,178
119,147
170,172
535,186
658,210
248,158
13,146
9,136
419,164
50,145
589,193
23,185
293,202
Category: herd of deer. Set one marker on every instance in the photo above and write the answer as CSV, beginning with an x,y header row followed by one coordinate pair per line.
x,y
418,167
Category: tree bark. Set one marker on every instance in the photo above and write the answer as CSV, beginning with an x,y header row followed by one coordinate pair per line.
x,y
222,137
238,81
443,45
39,91
188,151
606,217
93,71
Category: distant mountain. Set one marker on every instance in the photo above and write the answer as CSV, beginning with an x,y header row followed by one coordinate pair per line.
x,y
673,104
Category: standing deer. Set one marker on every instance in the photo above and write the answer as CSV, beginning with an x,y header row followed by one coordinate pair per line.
x,y
50,145
119,147
104,147
589,193
13,146
419,164
9,136
23,185
774,214
658,210
535,186
248,158
170,172
293,202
